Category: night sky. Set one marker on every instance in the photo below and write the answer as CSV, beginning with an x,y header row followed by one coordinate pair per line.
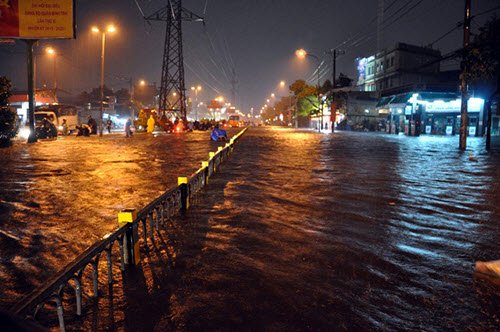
x,y
256,38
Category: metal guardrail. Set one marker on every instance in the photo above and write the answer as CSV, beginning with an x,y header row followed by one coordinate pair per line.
x,y
156,213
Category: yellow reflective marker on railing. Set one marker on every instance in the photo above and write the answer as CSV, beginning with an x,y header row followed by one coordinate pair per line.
x,y
127,215
131,238
204,164
211,155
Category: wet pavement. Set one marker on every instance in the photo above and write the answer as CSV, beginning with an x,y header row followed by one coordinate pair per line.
x,y
351,231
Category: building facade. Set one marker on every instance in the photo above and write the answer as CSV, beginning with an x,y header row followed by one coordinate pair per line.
x,y
401,65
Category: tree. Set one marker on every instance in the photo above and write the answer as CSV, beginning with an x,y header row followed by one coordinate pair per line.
x,y
95,94
307,98
483,63
9,122
122,96
83,98
343,81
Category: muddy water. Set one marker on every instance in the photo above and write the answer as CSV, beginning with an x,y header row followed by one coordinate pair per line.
x,y
59,197
345,231
299,231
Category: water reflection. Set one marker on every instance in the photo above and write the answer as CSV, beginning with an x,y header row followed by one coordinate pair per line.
x,y
344,231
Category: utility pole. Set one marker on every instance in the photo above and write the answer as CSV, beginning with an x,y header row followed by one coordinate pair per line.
x,y
334,53
464,84
380,22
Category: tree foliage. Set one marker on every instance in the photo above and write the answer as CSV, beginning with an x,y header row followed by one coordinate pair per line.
x,y
307,98
122,96
5,91
343,81
9,122
483,57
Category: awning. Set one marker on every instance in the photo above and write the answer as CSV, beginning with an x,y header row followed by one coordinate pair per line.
x,y
401,99
384,101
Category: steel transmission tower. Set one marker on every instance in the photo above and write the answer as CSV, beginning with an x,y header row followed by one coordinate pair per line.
x,y
172,101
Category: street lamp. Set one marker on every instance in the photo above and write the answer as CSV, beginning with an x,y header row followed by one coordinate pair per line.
x,y
196,89
52,52
282,84
142,82
111,28
301,54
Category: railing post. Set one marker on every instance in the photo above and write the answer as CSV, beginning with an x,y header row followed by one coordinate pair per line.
x,y
183,184
126,218
211,156
204,164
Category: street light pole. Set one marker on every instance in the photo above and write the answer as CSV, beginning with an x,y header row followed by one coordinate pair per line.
x,y
52,52
103,46
110,28
196,89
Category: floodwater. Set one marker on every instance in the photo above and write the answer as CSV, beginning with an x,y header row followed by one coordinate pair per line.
x,y
298,231
58,197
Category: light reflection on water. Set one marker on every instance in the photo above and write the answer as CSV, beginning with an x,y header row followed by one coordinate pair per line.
x,y
302,231
346,231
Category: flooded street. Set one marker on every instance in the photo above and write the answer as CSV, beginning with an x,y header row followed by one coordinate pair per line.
x,y
59,197
298,231
353,231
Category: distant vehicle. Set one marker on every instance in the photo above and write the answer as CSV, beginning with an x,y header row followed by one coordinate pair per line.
x,y
56,113
234,121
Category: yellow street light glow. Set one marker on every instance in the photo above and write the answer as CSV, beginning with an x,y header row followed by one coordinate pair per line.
x,y
95,29
50,51
192,88
174,94
142,82
301,53
267,100
272,95
198,87
111,28
282,84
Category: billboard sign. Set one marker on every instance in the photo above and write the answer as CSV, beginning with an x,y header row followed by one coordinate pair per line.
x,y
37,19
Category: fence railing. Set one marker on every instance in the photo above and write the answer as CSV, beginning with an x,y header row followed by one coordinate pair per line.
x,y
126,237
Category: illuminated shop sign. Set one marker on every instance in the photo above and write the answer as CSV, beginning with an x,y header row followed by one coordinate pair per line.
x,y
440,106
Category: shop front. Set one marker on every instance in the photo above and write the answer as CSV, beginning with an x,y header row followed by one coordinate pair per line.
x,y
431,113
442,117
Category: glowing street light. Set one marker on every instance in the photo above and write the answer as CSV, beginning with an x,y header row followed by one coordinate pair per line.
x,y
109,29
282,84
273,95
142,82
301,53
